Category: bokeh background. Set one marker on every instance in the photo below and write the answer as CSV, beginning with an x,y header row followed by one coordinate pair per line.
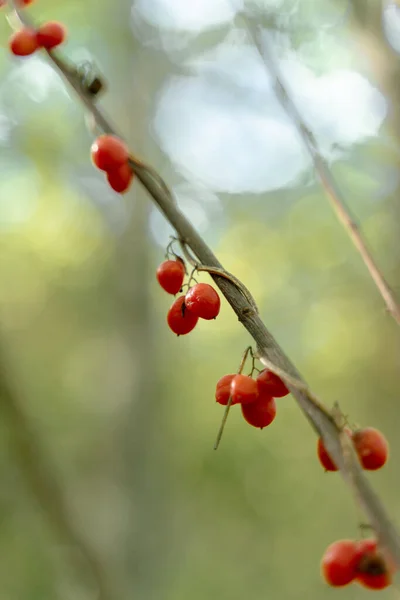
x,y
107,440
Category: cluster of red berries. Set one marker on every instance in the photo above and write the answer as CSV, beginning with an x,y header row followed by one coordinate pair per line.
x,y
27,40
362,561
111,154
256,396
370,444
201,301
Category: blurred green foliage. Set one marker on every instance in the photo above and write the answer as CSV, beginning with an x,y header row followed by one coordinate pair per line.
x,y
124,410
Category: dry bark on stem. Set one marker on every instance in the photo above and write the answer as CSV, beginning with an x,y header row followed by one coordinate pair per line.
x,y
328,181
269,352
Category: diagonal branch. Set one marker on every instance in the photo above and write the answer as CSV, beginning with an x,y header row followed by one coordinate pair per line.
x,y
327,425
329,184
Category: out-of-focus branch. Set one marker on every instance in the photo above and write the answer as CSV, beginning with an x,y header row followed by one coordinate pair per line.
x,y
43,482
330,186
328,426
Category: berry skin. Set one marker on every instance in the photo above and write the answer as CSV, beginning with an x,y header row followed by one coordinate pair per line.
x,y
223,389
324,457
271,384
51,34
260,413
109,152
170,275
372,570
339,563
243,389
203,301
181,320
23,42
372,448
120,179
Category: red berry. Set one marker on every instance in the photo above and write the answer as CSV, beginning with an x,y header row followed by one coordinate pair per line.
x,y
170,275
203,301
51,34
120,178
223,389
324,457
180,319
260,413
243,389
339,563
372,570
109,152
372,448
23,42
271,384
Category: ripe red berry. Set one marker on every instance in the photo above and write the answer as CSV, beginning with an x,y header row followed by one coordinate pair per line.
x,y
372,448
51,34
339,563
271,384
180,319
223,389
324,457
243,389
23,42
170,275
109,152
203,301
372,569
260,413
120,178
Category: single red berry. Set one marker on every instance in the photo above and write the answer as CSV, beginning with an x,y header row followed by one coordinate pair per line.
x,y
243,389
170,275
23,42
260,413
120,179
372,570
203,301
324,457
51,34
180,319
371,447
223,389
271,384
109,152
339,563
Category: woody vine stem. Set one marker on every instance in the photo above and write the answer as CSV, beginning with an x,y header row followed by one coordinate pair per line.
x,y
329,425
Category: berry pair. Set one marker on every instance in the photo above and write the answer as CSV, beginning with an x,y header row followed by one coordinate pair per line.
x,y
27,40
362,561
256,396
200,302
111,154
370,444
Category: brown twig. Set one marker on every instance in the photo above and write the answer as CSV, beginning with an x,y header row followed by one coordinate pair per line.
x,y
328,181
269,352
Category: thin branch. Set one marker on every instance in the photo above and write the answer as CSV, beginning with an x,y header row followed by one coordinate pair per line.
x,y
328,181
268,350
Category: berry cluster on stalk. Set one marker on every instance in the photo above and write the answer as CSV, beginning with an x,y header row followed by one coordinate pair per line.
x,y
201,300
27,40
360,561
